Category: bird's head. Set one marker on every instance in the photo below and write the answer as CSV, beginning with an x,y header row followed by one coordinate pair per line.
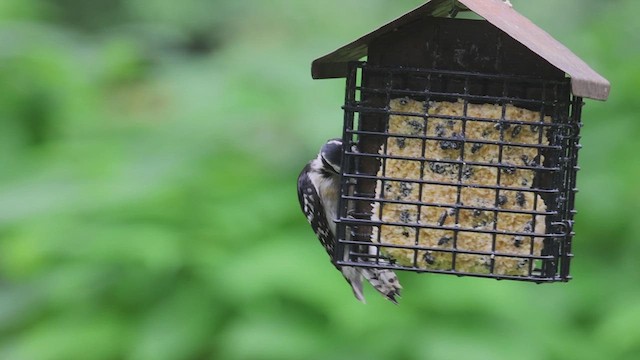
x,y
331,155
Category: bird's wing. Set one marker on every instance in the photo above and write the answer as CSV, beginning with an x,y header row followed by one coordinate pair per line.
x,y
314,211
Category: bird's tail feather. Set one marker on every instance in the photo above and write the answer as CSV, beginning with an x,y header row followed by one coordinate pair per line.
x,y
354,278
383,280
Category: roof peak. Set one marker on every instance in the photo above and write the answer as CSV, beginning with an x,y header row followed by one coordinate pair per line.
x,y
585,81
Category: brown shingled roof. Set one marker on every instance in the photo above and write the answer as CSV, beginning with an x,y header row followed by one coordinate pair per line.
x,y
585,81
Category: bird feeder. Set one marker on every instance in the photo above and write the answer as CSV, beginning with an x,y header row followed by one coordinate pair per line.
x,y
461,141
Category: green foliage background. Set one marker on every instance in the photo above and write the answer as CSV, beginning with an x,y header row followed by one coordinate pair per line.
x,y
148,157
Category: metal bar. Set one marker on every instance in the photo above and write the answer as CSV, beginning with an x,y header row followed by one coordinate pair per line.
x,y
458,162
452,250
537,279
456,206
476,186
454,95
339,248
441,227
472,141
451,73
365,109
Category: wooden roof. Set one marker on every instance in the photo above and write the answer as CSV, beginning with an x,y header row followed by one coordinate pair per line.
x,y
585,82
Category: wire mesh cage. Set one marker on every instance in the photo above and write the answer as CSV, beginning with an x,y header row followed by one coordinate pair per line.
x,y
456,172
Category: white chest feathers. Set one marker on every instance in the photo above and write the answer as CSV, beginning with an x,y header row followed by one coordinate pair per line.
x,y
328,188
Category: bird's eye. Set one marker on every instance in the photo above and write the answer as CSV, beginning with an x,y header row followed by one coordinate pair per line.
x,y
404,102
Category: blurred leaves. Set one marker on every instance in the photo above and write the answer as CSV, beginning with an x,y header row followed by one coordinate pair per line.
x,y
147,204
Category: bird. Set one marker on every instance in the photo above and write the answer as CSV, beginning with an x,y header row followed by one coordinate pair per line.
x,y
318,193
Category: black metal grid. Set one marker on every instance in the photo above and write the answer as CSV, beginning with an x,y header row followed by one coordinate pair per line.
x,y
361,238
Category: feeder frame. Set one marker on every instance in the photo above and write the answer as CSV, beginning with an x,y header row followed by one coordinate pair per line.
x,y
427,57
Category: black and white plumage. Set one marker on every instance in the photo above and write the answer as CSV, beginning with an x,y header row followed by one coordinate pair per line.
x,y
318,193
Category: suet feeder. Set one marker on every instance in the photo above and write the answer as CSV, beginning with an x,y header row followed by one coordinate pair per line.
x,y
461,141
